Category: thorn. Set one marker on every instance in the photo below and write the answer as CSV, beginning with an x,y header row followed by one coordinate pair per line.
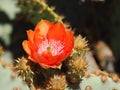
x,y
88,87
114,77
104,78
87,74
13,75
96,72
17,88
114,88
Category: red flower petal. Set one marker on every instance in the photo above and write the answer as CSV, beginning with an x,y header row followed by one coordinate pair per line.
x,y
41,30
48,59
35,57
42,27
30,35
69,41
26,47
56,32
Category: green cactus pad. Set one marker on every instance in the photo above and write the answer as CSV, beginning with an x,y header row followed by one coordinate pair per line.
x,y
7,82
96,83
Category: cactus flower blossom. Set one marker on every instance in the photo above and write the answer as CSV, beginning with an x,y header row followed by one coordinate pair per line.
x,y
49,44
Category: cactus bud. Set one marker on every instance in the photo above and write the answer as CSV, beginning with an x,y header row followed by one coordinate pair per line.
x,y
81,43
57,82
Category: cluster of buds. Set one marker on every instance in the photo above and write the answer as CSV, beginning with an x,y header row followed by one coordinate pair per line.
x,y
77,68
77,62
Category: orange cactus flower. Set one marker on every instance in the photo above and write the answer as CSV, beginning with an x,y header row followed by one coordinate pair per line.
x,y
49,44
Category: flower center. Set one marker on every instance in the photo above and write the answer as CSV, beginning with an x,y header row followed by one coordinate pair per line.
x,y
55,47
48,48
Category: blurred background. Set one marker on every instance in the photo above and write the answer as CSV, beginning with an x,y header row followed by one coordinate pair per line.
x,y
97,20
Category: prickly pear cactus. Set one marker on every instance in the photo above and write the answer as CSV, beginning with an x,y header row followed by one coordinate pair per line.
x,y
99,81
8,80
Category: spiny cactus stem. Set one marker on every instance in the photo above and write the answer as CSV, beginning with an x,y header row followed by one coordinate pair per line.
x,y
57,17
